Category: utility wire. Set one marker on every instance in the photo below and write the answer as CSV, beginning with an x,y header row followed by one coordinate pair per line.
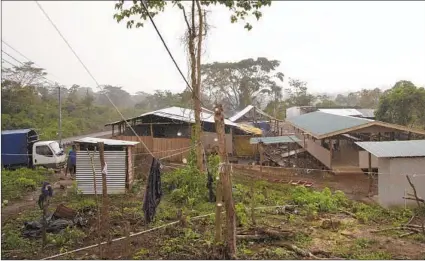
x,y
91,75
169,52
8,62
12,57
30,60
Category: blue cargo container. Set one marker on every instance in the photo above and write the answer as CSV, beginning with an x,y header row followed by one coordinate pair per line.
x,y
16,147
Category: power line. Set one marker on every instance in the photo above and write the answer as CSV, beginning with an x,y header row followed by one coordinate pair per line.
x,y
91,75
12,57
8,62
30,60
16,50
169,52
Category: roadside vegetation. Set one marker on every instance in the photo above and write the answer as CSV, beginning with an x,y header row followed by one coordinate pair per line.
x,y
17,183
325,224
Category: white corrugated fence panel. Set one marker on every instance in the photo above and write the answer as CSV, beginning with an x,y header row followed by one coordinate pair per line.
x,y
116,172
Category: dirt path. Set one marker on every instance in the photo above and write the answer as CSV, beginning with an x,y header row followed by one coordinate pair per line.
x,y
29,201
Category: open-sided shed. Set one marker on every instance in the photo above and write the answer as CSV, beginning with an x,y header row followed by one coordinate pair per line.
x,y
119,165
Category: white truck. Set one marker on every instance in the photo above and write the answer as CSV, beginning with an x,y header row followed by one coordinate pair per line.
x,y
21,148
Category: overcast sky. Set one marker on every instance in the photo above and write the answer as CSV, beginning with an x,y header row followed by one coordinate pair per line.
x,y
333,46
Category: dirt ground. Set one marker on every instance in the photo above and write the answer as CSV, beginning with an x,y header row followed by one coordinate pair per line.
x,y
191,241
29,201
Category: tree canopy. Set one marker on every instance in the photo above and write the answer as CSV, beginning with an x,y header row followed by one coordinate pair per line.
x,y
234,83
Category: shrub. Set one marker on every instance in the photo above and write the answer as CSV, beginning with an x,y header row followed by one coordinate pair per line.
x,y
323,201
187,185
241,214
15,184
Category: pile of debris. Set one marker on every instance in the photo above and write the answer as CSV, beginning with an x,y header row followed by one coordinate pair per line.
x,y
62,218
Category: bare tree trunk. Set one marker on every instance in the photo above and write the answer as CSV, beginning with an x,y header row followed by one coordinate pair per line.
x,y
197,91
226,182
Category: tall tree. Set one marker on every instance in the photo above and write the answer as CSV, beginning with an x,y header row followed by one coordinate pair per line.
x,y
403,104
195,33
234,83
325,101
298,94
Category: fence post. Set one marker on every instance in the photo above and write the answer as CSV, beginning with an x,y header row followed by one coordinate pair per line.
x,y
226,183
105,203
99,234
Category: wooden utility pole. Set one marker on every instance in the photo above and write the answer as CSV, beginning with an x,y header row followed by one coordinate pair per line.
x,y
226,183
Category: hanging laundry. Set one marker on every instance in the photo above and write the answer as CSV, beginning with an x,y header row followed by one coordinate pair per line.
x,y
153,191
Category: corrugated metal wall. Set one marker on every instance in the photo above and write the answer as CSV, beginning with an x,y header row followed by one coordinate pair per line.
x,y
116,175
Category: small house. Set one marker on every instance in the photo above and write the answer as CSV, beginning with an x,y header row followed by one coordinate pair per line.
x,y
395,160
119,165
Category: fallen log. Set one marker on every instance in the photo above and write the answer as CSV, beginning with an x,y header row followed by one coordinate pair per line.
x,y
395,228
408,234
349,213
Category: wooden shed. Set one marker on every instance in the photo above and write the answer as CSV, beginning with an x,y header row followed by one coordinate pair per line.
x,y
119,165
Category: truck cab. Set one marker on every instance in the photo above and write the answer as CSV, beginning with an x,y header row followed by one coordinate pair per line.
x,y
22,148
48,154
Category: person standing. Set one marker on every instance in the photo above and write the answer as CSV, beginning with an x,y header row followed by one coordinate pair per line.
x,y
72,161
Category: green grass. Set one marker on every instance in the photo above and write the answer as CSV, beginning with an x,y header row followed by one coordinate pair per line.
x,y
15,184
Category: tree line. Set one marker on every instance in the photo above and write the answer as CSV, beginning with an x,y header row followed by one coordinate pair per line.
x,y
30,101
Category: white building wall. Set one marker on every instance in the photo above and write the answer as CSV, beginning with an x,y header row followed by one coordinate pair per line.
x,y
392,180
364,160
293,112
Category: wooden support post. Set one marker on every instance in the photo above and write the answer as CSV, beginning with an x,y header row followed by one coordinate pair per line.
x,y
44,228
288,145
218,210
226,184
331,152
151,126
127,246
105,203
113,128
409,134
370,193
99,236
379,136
261,149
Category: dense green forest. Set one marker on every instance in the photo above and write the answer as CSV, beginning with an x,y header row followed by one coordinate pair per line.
x,y
29,100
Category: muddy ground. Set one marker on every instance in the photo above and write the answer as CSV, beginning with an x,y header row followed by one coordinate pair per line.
x,y
349,236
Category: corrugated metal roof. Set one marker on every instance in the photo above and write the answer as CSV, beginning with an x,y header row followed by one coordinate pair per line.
x,y
367,113
109,142
93,135
21,131
394,149
342,112
238,115
320,123
184,114
274,140
247,109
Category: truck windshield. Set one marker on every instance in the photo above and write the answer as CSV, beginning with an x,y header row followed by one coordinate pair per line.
x,y
55,147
